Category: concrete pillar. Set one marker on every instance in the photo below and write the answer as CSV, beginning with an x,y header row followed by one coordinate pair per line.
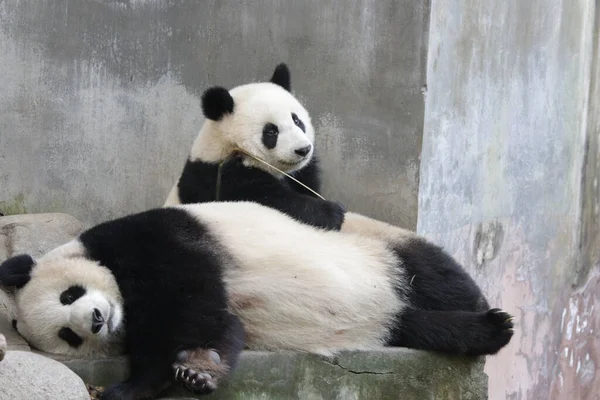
x,y
509,179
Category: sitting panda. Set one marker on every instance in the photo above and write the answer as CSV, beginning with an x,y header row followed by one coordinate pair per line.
x,y
267,121
181,289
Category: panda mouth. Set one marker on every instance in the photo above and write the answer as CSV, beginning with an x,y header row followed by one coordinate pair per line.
x,y
290,164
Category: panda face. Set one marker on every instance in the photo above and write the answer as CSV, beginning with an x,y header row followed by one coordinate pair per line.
x,y
263,119
271,124
69,305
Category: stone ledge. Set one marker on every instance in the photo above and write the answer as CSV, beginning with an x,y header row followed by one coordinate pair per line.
x,y
385,374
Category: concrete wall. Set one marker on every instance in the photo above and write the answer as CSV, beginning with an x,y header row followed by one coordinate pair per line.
x,y
509,179
100,99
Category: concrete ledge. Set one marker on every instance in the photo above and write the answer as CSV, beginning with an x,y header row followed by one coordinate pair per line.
x,y
387,374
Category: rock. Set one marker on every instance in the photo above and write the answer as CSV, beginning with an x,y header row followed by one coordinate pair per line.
x,y
26,375
36,234
388,373
2,347
14,341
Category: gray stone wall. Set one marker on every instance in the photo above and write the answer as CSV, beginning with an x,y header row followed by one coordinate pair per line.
x,y
100,101
509,179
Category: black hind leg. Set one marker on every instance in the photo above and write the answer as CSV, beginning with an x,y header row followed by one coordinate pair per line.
x,y
435,281
459,332
200,369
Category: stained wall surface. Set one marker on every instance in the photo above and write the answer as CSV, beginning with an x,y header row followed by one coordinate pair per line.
x,y
509,179
100,100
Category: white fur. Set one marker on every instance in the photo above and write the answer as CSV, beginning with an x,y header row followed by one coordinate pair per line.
x,y
299,288
359,224
41,314
255,105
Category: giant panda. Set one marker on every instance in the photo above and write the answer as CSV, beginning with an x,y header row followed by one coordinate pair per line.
x,y
267,121
181,289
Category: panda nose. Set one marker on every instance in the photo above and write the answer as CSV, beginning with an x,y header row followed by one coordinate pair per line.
x,y
303,151
97,321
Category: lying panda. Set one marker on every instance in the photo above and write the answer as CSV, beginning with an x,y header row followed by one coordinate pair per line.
x,y
183,288
267,121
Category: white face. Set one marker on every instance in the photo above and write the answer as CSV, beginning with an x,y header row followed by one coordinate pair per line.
x,y
268,122
70,306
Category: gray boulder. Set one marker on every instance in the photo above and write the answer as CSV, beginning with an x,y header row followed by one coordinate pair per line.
x,y
26,375
36,234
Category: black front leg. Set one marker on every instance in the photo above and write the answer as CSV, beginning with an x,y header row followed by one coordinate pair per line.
x,y
200,369
198,184
309,210
459,332
241,183
148,377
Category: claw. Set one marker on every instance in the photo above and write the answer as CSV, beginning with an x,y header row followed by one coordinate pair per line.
x,y
511,330
177,373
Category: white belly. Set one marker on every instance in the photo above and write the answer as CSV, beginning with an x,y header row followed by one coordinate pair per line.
x,y
299,288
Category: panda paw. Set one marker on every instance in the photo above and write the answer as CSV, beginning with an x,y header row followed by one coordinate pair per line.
x,y
337,212
199,370
501,319
197,382
498,330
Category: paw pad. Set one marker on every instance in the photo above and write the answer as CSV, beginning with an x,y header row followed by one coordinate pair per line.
x,y
198,382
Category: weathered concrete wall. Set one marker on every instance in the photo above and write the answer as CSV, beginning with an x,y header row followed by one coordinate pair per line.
x,y
509,179
100,99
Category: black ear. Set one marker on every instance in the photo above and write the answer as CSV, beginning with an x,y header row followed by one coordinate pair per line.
x,y
15,271
216,102
281,77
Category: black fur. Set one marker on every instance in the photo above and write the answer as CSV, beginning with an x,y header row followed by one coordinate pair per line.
x,y
198,184
298,122
164,316
216,103
447,311
14,272
71,294
281,76
270,135
73,339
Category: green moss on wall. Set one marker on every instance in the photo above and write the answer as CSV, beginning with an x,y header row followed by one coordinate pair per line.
x,y
13,207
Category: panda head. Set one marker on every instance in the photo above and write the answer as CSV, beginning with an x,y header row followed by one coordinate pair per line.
x,y
63,304
263,119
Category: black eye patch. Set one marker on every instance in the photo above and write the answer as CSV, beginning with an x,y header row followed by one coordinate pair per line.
x,y
298,122
269,135
73,339
71,294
